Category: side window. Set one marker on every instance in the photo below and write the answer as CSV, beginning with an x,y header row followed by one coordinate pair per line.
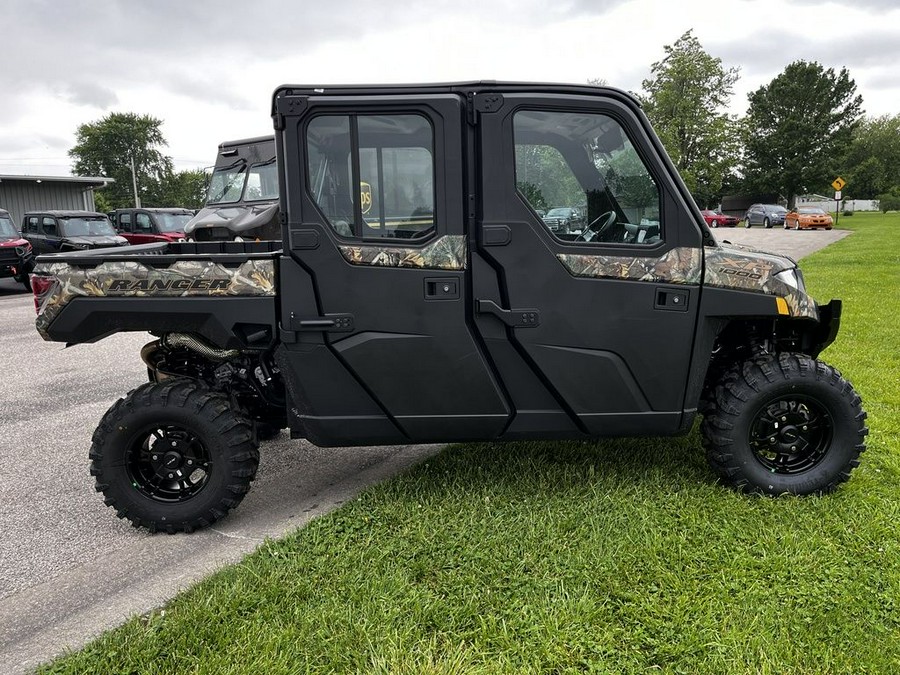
x,y
48,226
262,182
142,223
372,176
585,179
125,222
32,225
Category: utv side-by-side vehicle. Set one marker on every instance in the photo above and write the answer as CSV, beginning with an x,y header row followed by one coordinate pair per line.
x,y
242,195
416,295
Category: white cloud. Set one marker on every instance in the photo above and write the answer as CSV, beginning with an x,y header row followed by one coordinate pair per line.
x,y
208,68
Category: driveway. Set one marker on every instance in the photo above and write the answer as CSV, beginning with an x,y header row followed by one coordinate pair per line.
x,y
793,243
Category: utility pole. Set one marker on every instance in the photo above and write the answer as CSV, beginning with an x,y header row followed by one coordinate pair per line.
x,y
137,199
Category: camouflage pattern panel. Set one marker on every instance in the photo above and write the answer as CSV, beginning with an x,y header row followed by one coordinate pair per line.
x,y
445,253
678,266
748,270
184,278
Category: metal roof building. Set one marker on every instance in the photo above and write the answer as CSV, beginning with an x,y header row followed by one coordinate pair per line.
x,y
19,194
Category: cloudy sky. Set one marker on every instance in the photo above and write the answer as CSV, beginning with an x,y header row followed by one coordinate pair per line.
x,y
208,68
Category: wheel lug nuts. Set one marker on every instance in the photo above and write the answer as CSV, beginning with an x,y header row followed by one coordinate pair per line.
x,y
793,448
804,428
174,443
783,419
190,462
155,457
171,475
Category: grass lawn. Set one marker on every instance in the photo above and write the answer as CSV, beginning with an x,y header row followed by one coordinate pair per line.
x,y
616,557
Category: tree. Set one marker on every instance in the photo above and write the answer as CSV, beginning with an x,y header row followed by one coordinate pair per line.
x,y
889,201
186,189
107,148
685,99
799,128
871,164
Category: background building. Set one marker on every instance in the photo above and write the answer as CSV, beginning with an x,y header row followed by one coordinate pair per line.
x,y
19,194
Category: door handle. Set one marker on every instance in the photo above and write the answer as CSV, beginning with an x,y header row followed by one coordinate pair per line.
x,y
671,300
515,318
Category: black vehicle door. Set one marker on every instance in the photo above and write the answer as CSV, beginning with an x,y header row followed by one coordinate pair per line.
x,y
52,237
373,282
591,330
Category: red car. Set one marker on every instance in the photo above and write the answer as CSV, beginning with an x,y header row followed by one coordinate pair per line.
x,y
16,256
718,219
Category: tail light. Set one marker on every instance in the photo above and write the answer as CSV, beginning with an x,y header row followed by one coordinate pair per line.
x,y
41,287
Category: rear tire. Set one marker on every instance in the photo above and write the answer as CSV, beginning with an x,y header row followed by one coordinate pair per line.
x,y
173,456
785,425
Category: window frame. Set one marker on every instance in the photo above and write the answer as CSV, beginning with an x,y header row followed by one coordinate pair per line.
x,y
625,129
359,226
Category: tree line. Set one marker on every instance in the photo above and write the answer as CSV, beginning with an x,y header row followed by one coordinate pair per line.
x,y
801,130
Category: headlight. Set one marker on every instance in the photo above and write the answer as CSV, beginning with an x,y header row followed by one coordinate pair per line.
x,y
792,278
23,250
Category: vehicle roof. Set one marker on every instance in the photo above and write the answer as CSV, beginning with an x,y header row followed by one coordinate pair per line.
x,y
247,141
461,88
4,212
64,214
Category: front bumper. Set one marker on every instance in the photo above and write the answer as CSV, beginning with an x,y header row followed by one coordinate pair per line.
x,y
827,329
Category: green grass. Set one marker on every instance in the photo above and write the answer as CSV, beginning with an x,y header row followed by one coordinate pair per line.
x,y
615,557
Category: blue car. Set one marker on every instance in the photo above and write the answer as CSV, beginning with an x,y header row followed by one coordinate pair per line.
x,y
766,215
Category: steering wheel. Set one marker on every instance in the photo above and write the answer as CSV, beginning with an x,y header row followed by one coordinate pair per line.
x,y
597,227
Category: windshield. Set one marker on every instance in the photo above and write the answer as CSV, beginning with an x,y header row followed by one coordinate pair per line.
x,y
226,185
7,229
559,212
812,210
87,227
262,182
172,222
777,209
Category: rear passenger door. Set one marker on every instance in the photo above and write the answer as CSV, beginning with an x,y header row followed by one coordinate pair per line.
x,y
374,283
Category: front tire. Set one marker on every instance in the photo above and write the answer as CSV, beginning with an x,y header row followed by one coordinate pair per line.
x,y
784,425
767,224
173,456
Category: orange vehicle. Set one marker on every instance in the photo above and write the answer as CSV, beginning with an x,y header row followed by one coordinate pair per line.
x,y
808,218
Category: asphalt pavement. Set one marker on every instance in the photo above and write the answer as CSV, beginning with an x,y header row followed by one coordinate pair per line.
x,y
69,569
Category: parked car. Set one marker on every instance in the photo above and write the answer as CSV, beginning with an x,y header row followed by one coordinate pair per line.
x,y
563,219
766,215
718,219
16,255
147,226
808,218
53,231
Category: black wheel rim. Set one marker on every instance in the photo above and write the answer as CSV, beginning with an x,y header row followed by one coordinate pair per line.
x,y
168,463
791,434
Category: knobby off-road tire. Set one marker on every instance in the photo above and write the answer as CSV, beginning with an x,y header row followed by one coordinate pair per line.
x,y
173,456
785,424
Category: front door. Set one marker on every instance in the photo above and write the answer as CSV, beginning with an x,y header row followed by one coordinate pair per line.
x,y
378,345
590,319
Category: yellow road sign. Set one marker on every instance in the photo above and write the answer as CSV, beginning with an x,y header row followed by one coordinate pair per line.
x,y
838,183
